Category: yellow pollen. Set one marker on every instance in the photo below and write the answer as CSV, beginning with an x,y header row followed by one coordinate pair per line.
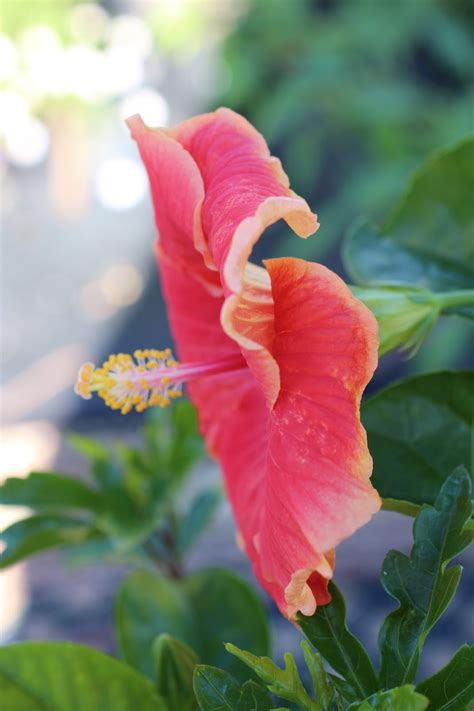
x,y
148,379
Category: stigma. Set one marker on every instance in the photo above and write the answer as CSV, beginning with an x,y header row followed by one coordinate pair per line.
x,y
151,378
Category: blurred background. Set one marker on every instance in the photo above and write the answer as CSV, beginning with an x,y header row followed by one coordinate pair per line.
x,y
352,95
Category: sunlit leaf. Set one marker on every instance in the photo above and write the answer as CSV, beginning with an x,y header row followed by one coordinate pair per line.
x,y
59,676
402,698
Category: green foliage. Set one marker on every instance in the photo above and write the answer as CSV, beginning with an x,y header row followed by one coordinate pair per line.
x,y
286,683
127,507
428,241
418,430
58,676
174,664
402,698
328,633
197,518
202,610
46,491
452,688
422,583
217,690
351,109
38,533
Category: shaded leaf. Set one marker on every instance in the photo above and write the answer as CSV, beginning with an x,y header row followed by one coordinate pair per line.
x,y
403,698
428,240
225,607
197,518
59,676
452,688
48,490
328,633
38,533
422,583
419,430
149,605
174,664
254,698
215,689
203,610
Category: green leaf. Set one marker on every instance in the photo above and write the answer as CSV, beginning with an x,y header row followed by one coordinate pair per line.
x,y
88,447
323,689
215,689
225,607
49,490
328,633
38,533
403,698
149,605
191,610
284,683
174,665
418,430
428,241
452,688
423,584
197,518
58,676
254,698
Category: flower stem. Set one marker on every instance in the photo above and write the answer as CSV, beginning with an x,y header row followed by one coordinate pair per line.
x,y
451,299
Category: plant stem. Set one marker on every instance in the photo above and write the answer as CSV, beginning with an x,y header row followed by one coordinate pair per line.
x,y
404,507
451,299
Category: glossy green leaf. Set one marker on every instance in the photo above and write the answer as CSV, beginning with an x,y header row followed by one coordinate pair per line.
x,y
38,533
192,610
197,518
174,664
419,431
422,583
49,490
58,676
254,698
215,689
328,633
403,698
429,239
452,688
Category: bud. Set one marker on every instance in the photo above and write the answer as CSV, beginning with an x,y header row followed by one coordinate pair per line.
x,y
174,664
405,315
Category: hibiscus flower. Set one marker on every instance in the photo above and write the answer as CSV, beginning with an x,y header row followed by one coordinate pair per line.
x,y
276,357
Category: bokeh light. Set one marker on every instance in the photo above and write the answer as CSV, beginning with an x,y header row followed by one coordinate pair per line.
x,y
120,183
149,103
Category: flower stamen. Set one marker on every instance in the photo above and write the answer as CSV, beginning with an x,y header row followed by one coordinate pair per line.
x,y
151,378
